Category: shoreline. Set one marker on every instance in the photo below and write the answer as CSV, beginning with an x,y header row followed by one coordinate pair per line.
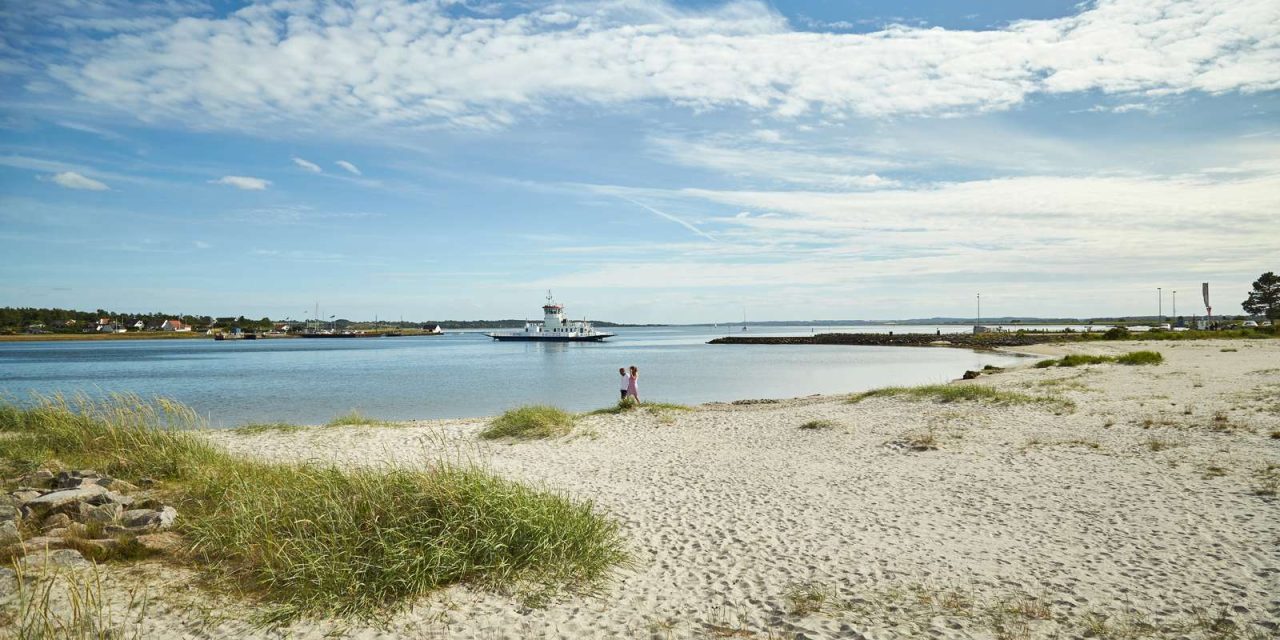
x,y
1088,493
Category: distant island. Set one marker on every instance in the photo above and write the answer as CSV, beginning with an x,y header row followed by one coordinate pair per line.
x,y
102,323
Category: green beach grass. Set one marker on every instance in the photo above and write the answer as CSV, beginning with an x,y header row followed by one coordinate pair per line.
x,y
533,422
625,406
1131,358
310,540
945,393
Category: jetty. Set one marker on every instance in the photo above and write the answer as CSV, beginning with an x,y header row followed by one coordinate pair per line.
x,y
967,340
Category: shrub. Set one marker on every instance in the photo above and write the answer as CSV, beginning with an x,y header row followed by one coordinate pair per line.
x,y
950,393
315,540
1141,357
1116,333
529,423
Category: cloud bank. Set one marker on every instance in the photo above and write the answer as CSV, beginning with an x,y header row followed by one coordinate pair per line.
x,y
431,63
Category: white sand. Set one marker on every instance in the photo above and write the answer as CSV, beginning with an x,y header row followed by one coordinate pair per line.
x,y
727,509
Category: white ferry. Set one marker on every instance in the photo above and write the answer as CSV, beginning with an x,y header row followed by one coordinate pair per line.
x,y
555,327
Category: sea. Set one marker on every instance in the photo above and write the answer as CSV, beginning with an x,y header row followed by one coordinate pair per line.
x,y
467,374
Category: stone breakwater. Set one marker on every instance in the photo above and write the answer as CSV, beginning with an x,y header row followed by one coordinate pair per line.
x,y
56,516
966,340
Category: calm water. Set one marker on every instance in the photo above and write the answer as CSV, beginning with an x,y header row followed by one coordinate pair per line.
x,y
464,374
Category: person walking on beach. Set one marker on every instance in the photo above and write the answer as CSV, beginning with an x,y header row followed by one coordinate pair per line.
x,y
624,384
633,384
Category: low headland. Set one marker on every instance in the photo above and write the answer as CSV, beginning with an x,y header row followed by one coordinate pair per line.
x,y
1105,489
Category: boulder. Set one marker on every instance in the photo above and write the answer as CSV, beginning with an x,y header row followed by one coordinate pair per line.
x,y
165,542
56,521
9,513
161,518
8,582
110,497
103,546
105,513
69,558
117,485
57,499
40,478
9,532
969,375
38,544
24,496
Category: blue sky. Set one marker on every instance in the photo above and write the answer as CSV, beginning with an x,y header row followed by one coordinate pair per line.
x,y
648,161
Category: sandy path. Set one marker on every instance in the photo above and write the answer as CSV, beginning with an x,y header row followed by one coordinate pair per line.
x,y
728,509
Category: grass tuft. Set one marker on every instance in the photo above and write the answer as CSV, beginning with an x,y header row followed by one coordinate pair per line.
x,y
945,393
1077,359
530,423
628,405
1140,357
816,425
356,419
314,540
268,427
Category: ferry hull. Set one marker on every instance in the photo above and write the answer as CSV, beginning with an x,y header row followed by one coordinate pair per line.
x,y
517,338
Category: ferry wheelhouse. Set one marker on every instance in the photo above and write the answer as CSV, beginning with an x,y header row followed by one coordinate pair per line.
x,y
554,327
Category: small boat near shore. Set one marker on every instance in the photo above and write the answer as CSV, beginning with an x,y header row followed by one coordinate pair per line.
x,y
554,327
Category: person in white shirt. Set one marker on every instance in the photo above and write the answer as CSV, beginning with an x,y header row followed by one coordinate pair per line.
x,y
624,383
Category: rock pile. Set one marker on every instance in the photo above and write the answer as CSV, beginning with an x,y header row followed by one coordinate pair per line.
x,y
81,511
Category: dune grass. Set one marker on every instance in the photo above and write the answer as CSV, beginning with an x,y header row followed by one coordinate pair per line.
x,y
1076,359
945,393
1140,357
268,427
354,418
531,422
625,406
817,425
314,540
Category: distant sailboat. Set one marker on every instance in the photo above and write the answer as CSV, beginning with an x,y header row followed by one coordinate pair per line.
x,y
744,319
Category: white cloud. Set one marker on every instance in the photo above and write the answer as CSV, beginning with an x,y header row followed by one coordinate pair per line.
x,y
309,166
201,244
349,167
243,182
402,62
73,180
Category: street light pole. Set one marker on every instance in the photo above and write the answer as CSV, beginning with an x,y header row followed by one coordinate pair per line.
x,y
979,308
1160,305
1175,306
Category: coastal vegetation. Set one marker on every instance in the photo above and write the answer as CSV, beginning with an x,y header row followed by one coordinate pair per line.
x,y
818,425
298,536
531,422
354,418
1077,359
628,405
945,393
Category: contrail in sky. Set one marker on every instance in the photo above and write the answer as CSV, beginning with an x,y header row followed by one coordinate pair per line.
x,y
672,218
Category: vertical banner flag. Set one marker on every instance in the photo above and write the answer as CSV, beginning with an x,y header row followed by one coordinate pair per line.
x,y
1204,289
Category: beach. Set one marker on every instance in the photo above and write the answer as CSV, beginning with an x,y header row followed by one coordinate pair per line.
x,y
1097,500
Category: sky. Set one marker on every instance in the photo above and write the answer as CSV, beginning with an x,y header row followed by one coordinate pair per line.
x,y
646,161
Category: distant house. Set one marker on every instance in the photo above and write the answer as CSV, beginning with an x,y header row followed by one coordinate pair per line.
x,y
173,325
69,323
284,328
139,325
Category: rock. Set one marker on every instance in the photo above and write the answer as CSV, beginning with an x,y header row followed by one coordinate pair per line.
x,y
146,482
60,558
9,532
56,532
153,519
111,497
8,582
969,375
165,542
103,546
39,544
56,521
68,496
117,485
105,513
9,513
40,478
25,496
